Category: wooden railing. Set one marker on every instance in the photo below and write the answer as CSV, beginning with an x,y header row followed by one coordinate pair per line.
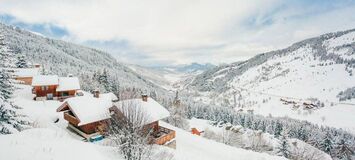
x,y
62,98
166,135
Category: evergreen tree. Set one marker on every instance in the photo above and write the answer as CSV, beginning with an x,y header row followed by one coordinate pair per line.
x,y
283,149
21,62
327,143
10,121
343,150
278,129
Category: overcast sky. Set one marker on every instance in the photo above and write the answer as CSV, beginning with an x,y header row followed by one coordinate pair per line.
x,y
161,32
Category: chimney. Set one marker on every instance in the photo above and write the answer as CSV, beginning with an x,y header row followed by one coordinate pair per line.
x,y
37,65
96,93
144,97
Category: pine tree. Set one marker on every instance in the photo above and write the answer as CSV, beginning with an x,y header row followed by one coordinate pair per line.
x,y
327,143
21,62
283,149
10,121
343,150
278,129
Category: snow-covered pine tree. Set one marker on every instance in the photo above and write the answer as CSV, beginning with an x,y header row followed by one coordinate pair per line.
x,y
327,144
278,129
283,149
177,111
343,150
10,121
21,61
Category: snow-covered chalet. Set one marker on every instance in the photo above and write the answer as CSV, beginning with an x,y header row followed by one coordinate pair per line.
x,y
54,87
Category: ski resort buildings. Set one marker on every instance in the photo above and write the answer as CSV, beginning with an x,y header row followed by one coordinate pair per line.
x,y
54,87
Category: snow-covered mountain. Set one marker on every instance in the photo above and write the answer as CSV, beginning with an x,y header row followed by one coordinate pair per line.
x,y
190,68
171,77
62,58
305,81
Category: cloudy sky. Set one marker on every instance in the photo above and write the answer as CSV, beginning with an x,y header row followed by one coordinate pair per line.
x,y
163,32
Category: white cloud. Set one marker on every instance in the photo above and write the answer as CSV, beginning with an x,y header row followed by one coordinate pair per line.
x,y
180,31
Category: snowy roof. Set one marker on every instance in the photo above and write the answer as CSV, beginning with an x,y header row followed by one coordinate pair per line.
x,y
68,83
110,96
89,109
26,72
45,80
151,109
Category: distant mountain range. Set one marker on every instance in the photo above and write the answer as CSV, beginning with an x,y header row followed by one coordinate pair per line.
x,y
310,80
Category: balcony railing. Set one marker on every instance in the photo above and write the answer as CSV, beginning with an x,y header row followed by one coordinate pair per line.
x,y
62,98
162,136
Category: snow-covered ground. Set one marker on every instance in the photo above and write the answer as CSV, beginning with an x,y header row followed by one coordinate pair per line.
x,y
190,146
247,138
49,140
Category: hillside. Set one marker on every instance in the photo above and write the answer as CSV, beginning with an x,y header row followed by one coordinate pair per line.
x,y
62,58
311,80
52,140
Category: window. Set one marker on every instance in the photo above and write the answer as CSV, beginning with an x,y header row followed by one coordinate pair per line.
x,y
65,94
44,88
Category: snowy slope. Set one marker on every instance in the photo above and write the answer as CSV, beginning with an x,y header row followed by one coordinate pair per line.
x,y
313,71
44,144
192,147
63,58
50,140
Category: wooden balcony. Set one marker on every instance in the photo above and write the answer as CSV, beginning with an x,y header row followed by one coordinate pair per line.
x,y
71,119
162,136
62,98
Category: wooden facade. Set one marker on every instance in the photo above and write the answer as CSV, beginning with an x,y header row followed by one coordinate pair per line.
x,y
25,80
45,91
50,91
163,136
90,128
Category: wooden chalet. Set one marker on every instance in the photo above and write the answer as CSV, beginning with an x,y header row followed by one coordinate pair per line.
x,y
54,87
153,112
25,75
87,115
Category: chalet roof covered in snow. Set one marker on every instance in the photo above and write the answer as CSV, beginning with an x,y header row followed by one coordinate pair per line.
x,y
88,109
110,96
26,72
151,109
45,80
68,83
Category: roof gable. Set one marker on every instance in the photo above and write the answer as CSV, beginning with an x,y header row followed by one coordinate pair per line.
x,y
87,109
26,72
68,83
152,110
45,80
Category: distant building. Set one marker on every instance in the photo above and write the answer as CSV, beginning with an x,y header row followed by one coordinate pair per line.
x,y
54,87
196,131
